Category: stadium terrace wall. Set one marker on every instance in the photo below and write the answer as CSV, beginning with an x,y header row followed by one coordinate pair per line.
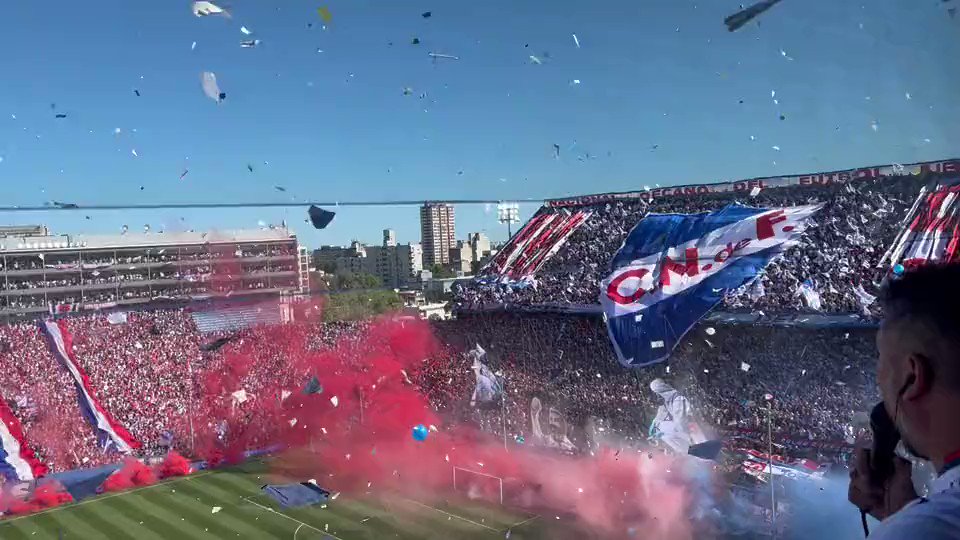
x,y
745,186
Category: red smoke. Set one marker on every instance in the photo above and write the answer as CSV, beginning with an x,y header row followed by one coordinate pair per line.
x,y
363,443
48,495
133,474
174,465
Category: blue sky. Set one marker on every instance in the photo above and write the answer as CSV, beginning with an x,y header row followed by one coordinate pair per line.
x,y
335,125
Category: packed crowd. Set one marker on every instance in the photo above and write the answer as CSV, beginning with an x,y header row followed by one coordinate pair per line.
x,y
838,257
820,380
144,365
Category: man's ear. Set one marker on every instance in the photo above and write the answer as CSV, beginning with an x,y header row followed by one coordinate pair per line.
x,y
919,379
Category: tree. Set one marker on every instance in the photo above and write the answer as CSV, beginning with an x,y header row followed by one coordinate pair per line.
x,y
441,272
356,305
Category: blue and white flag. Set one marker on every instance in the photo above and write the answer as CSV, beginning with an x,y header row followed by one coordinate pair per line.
x,y
673,268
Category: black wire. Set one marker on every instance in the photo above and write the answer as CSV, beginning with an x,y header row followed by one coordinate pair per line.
x,y
160,206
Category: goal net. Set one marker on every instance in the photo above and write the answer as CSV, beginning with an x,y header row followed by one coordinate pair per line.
x,y
478,485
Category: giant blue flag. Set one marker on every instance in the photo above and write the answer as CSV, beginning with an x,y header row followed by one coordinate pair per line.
x,y
673,268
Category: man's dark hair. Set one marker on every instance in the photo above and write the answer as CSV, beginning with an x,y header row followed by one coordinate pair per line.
x,y
928,298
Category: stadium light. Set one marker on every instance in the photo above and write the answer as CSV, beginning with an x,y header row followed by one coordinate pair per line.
x,y
508,213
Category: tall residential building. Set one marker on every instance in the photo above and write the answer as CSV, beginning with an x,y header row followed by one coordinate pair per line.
x,y
437,233
480,244
389,237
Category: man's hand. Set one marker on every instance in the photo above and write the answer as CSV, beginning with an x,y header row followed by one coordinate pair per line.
x,y
880,500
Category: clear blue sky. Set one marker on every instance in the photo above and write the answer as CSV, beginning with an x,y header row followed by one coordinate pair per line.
x,y
335,125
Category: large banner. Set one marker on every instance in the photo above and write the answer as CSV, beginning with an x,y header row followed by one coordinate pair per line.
x,y
534,244
110,432
674,268
17,461
931,230
746,186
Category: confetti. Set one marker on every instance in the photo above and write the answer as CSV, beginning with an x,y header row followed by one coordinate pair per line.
x,y
426,14
908,96
325,14
755,191
215,509
204,8
245,30
575,82
874,125
744,366
249,44
134,152
775,147
710,330
60,115
447,56
535,60
335,401
208,80
656,344
576,41
193,45
556,151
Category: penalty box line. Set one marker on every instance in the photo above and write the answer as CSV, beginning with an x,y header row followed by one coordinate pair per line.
x,y
461,518
281,514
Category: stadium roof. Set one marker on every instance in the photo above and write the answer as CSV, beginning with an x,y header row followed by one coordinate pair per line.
x,y
142,240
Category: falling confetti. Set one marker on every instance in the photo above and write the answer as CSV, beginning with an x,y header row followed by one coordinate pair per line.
x,y
193,45
426,14
184,173
279,188
209,81
204,8
325,14
134,152
556,151
576,41
874,125
535,60
245,30
775,147
575,82
744,366
335,401
447,56
710,331
249,44
61,115
215,509
908,96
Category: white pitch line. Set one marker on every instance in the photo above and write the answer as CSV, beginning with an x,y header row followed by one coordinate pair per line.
x,y
281,514
451,515
524,522
105,497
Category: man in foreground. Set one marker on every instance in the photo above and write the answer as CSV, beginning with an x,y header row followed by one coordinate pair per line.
x,y
918,373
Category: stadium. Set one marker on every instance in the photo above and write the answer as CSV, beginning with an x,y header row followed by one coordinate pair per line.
x,y
179,384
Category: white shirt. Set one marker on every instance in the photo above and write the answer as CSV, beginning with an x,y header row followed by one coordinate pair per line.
x,y
936,517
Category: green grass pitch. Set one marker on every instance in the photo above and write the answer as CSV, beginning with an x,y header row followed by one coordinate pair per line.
x,y
182,509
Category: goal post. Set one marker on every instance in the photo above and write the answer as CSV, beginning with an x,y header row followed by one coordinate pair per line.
x,y
477,484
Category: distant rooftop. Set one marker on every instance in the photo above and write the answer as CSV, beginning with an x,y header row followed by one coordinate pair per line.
x,y
28,243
